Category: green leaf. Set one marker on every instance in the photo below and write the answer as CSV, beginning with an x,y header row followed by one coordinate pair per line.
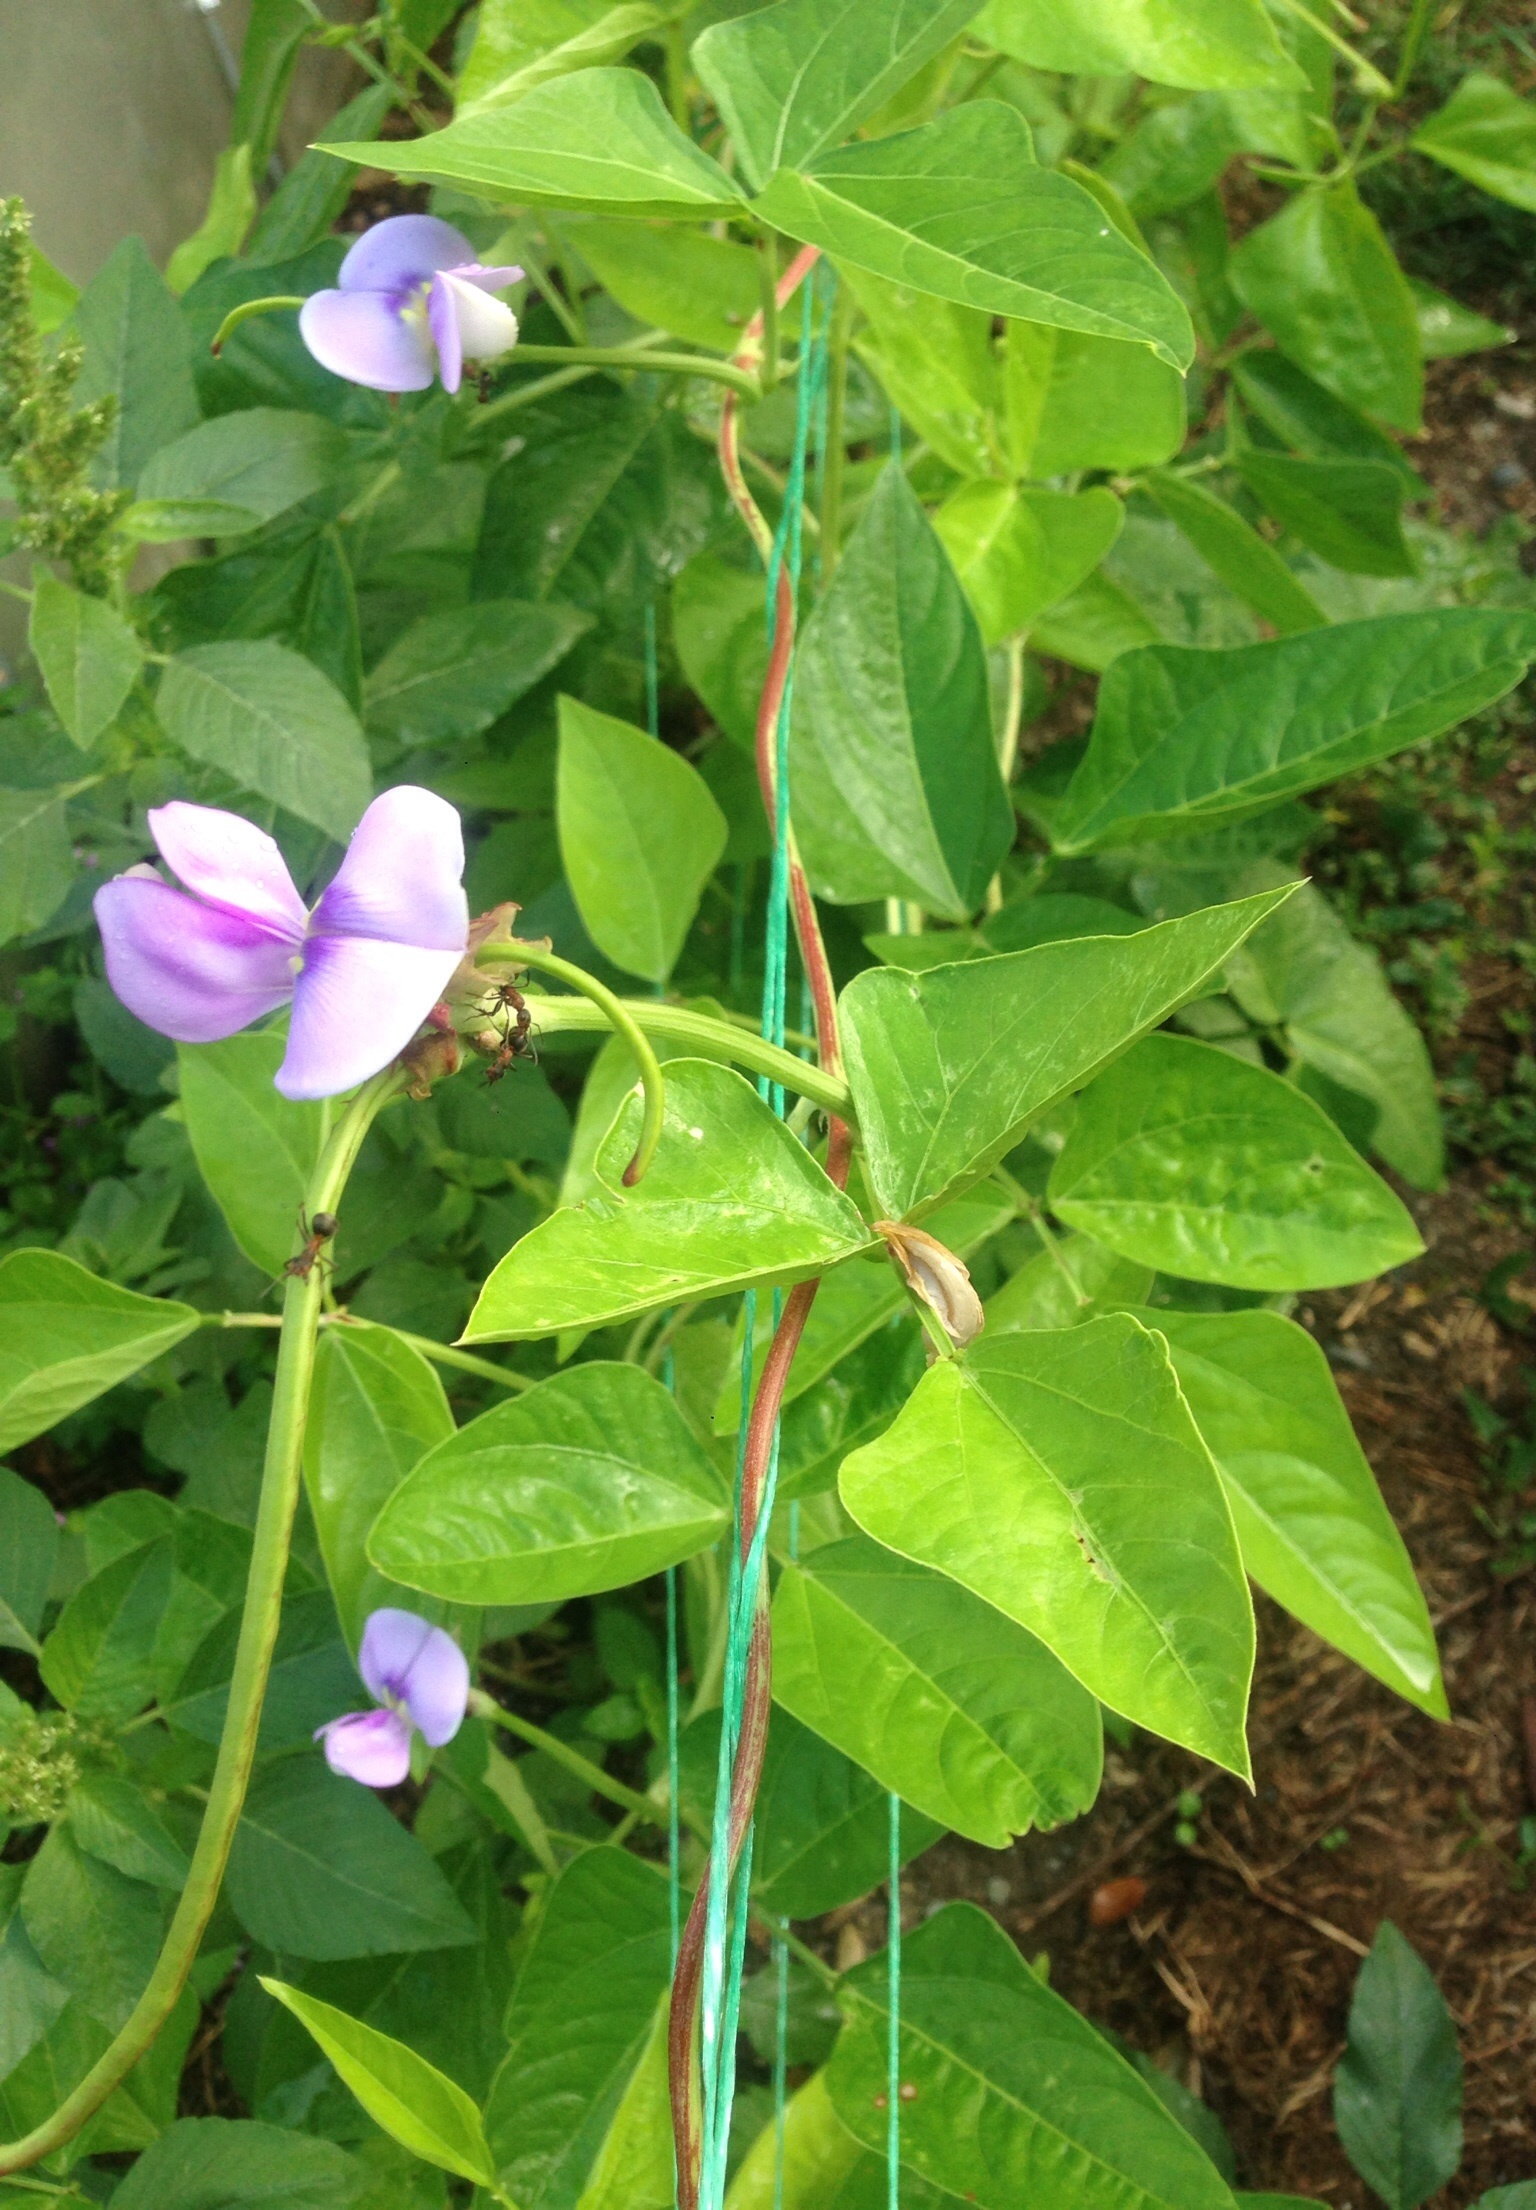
x,y
1312,421
1486,133
110,1819
1311,1524
29,1546
1059,1477
591,1480
1053,917
1322,279
376,1407
1244,560
30,1998
95,1930
599,140
138,352
259,461
49,290
1447,329
1348,511
1018,2098
1206,46
793,80
610,497
579,2024
1092,627
939,366
1185,739
893,759
135,2115
521,43
254,1148
948,1068
312,1677
822,1828
851,1405
854,1303
1020,551
411,2099
274,32
1076,401
268,719
640,836
700,288
227,2163
320,1869
98,1658
1195,1162
221,233
1061,1288
819,2165
300,212
950,1705
89,656
1305,970
37,864
718,629
635,2167
731,1198
959,208
67,1336
1397,2092
452,674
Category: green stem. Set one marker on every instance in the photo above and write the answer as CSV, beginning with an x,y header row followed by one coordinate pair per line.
x,y
1367,76
680,1025
667,364
528,395
280,1481
247,310
1413,42
676,48
1034,1212
602,1784
441,1354
616,1014
837,395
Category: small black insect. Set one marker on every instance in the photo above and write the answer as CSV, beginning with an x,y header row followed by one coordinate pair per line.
x,y
315,1233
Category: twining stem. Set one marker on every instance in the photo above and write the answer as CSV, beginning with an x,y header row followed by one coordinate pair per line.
x,y
758,1450
679,1024
245,312
616,1015
259,1623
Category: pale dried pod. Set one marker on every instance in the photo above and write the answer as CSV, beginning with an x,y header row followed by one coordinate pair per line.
x,y
941,1280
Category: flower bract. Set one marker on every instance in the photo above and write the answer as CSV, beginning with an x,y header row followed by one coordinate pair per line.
x,y
420,1678
362,970
411,301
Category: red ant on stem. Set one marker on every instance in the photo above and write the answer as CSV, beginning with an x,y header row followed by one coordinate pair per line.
x,y
516,1030
315,1233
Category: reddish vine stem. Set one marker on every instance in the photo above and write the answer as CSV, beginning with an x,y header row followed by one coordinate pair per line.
x,y
763,1420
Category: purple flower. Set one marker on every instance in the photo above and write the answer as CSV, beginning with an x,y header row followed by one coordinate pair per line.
x,y
421,1678
363,970
412,301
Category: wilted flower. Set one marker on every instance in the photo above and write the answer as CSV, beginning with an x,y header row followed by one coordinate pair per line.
x,y
420,1677
363,970
411,301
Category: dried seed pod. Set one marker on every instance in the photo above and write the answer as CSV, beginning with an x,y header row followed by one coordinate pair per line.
x,y
941,1280
1114,1900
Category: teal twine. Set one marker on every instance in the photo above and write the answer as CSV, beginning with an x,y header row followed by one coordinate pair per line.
x,y
893,2026
780,2060
725,1928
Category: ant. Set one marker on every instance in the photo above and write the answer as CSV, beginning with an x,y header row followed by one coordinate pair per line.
x,y
318,1231
516,1030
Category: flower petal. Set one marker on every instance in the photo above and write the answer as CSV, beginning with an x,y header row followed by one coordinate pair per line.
x,y
401,877
231,864
401,252
364,337
186,969
371,1746
489,280
404,1656
443,322
356,1005
465,319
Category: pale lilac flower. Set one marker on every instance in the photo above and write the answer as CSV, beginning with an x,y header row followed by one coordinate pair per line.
x,y
420,1677
363,970
411,301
